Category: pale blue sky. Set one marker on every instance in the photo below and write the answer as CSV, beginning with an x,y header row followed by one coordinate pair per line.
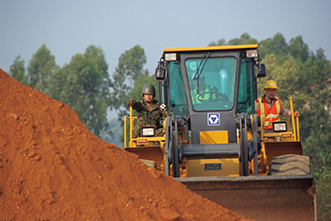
x,y
68,27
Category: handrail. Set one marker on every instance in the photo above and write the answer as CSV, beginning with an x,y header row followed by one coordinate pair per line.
x,y
293,122
131,125
125,117
131,118
297,123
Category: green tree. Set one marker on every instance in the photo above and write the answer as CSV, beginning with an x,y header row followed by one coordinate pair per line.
x,y
323,187
298,49
17,70
245,38
218,43
58,82
83,84
315,81
323,193
276,45
130,66
40,69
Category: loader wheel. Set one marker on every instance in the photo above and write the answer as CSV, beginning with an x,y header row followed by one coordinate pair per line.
x,y
290,164
149,163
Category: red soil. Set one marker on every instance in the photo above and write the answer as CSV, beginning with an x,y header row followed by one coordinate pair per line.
x,y
53,168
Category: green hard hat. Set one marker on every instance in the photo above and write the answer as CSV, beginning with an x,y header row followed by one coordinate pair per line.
x,y
148,89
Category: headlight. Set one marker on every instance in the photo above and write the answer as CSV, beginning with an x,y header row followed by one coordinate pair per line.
x,y
170,57
279,126
251,53
148,132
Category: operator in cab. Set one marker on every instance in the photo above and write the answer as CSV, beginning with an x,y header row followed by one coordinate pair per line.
x,y
270,105
150,111
203,93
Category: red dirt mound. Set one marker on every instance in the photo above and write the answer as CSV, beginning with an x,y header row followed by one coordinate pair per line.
x,y
53,168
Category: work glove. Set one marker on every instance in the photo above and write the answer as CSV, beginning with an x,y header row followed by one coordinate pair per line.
x,y
132,102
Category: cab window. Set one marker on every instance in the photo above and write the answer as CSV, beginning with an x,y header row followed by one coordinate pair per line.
x,y
212,82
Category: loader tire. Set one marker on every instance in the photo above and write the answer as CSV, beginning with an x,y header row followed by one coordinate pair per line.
x,y
290,164
149,163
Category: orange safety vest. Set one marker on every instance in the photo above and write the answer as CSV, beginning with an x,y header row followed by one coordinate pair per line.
x,y
270,115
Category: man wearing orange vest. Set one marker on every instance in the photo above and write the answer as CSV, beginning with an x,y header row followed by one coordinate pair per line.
x,y
270,106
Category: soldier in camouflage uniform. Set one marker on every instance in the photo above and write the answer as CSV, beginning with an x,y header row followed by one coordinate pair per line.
x,y
150,111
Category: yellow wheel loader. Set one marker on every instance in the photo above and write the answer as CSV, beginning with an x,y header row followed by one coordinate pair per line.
x,y
213,141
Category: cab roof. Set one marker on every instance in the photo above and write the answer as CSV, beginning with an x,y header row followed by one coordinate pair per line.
x,y
210,48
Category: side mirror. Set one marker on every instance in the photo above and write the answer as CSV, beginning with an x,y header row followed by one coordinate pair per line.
x,y
259,71
161,71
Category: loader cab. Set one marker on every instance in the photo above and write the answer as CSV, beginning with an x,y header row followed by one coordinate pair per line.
x,y
210,85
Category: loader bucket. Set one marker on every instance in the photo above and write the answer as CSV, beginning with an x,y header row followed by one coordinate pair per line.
x,y
260,197
148,153
274,149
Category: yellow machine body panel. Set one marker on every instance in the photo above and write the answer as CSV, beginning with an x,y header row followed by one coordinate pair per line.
x,y
213,167
214,137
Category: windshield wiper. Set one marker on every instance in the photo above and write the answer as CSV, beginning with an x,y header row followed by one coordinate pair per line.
x,y
201,65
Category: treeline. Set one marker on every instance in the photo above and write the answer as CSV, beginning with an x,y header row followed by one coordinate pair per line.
x,y
84,83
86,86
